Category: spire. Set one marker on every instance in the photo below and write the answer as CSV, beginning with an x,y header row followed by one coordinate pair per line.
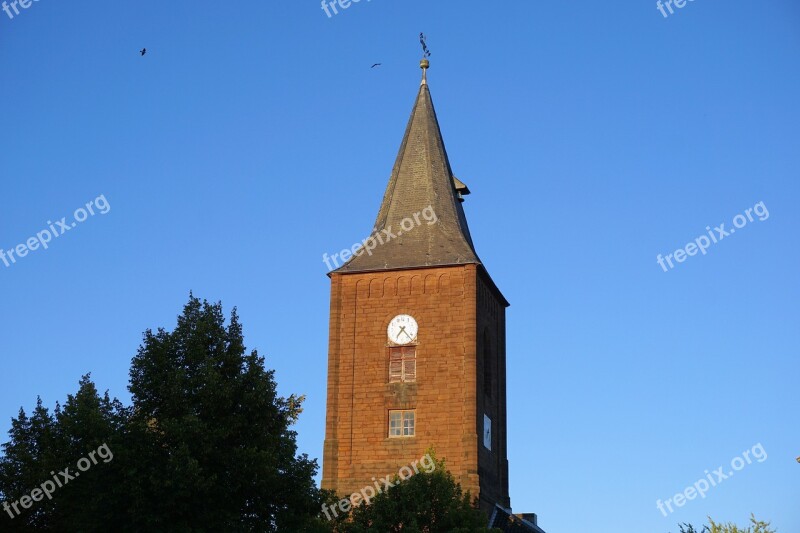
x,y
421,220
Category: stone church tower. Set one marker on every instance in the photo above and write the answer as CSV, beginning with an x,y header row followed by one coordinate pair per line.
x,y
417,349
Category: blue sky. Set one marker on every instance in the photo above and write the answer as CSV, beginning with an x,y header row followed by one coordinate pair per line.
x,y
253,137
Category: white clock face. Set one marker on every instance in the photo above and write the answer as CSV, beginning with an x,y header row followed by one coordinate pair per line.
x,y
402,329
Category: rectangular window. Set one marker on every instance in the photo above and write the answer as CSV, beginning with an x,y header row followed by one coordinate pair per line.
x,y
487,432
402,364
402,423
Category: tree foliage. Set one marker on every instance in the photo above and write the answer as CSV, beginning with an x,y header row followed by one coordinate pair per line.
x,y
44,444
756,526
429,502
206,445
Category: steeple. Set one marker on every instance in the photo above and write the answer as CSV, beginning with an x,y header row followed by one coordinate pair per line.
x,y
444,384
421,183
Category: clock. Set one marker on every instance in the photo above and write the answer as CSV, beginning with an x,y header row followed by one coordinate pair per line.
x,y
402,330
487,432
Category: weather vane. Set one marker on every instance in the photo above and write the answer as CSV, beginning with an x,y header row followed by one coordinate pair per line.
x,y
425,52
424,63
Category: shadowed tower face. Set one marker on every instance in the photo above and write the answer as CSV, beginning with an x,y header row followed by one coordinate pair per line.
x,y
416,355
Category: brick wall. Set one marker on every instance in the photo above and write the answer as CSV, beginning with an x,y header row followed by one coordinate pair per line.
x,y
446,395
492,465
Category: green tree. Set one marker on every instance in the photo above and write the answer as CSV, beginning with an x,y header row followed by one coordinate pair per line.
x,y
757,526
430,502
24,465
207,444
87,422
689,528
215,447
45,444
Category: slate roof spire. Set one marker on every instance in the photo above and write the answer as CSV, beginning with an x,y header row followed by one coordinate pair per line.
x,y
422,184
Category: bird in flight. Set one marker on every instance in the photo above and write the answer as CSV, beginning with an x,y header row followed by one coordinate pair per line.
x,y
375,65
143,51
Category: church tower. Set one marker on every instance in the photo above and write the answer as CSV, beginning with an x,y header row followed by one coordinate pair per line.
x,y
417,348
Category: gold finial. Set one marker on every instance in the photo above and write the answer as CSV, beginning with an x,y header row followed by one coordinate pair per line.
x,y
424,65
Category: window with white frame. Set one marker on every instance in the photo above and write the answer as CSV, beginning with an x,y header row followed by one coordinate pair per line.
x,y
402,423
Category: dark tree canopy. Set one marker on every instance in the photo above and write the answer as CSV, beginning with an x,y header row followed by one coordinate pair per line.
x,y
216,435
45,443
206,445
429,502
